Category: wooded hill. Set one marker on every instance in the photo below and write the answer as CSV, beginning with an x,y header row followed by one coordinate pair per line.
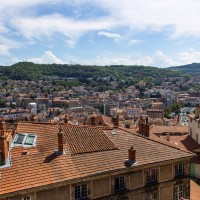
x,y
193,68
31,71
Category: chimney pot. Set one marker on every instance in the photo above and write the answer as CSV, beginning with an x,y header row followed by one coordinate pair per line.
x,y
131,157
92,118
3,149
66,119
144,126
197,111
115,121
168,136
60,141
2,125
132,154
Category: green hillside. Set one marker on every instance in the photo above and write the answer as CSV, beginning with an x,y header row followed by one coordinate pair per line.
x,y
193,68
31,71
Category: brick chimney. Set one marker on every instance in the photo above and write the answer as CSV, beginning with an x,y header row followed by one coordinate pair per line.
x,y
60,141
3,143
92,118
131,157
115,121
140,124
2,126
66,119
132,154
168,136
146,130
197,111
144,127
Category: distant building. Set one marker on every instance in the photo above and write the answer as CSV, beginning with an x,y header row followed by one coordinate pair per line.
x,y
33,108
155,113
108,106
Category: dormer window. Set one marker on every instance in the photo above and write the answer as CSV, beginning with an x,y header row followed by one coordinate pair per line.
x,y
24,139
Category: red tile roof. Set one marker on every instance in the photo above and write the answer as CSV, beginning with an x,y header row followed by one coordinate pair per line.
x,y
168,129
86,139
43,167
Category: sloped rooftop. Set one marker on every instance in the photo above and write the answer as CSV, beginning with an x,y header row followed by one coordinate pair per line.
x,y
86,155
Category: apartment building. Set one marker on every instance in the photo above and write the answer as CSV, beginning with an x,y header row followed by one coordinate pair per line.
x,y
194,124
42,161
155,113
194,132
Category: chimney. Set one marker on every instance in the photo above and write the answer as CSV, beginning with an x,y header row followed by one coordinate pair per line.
x,y
2,126
140,124
168,136
115,121
146,130
144,127
60,141
131,154
3,150
197,111
92,118
131,157
66,119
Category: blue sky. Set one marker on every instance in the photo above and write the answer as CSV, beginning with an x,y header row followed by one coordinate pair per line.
x,y
102,32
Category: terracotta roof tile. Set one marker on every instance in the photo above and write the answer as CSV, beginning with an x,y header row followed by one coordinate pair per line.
x,y
86,139
42,166
168,129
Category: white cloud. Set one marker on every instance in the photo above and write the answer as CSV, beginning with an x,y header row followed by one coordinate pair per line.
x,y
6,45
162,60
112,35
135,42
47,58
190,56
157,59
181,15
46,26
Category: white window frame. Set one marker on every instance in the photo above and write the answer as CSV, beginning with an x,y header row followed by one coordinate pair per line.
x,y
151,175
80,189
26,135
178,192
26,198
152,195
121,183
179,169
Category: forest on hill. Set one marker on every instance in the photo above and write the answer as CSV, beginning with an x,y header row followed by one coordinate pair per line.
x,y
31,71
193,68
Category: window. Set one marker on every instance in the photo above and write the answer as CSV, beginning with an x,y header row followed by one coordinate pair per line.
x,y
151,175
179,169
197,138
25,140
29,140
152,195
81,192
26,198
19,138
119,183
178,192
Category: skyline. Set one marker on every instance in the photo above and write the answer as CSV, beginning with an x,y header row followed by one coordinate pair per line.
x,y
141,32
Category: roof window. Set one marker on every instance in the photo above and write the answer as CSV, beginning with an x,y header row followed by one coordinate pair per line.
x,y
29,140
19,138
25,139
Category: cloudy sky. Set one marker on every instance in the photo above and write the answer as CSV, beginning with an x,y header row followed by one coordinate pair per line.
x,y
158,33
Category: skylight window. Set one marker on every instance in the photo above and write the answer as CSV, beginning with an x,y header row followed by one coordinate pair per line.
x,y
19,139
29,140
24,139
